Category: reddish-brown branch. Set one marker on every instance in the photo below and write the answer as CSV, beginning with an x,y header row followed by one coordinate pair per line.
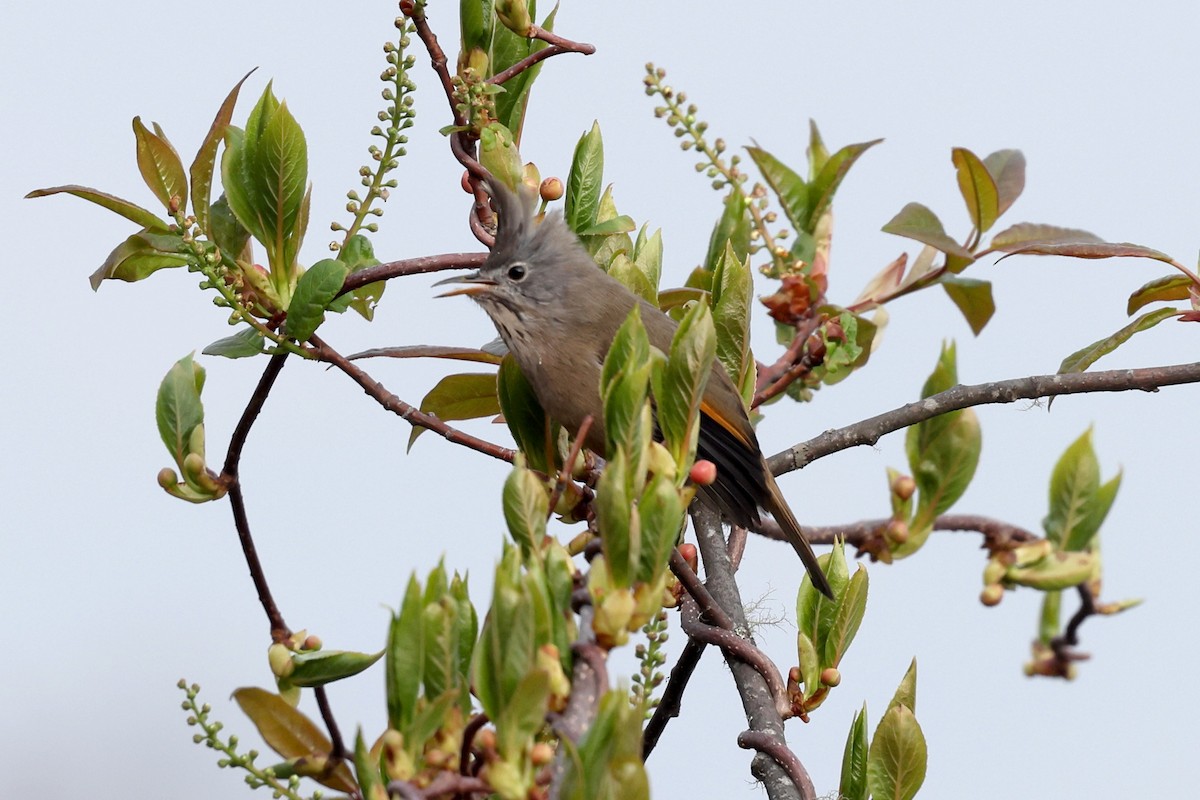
x,y
230,478
869,431
338,751
1064,645
397,406
671,702
783,755
773,380
473,727
412,266
564,474
710,609
557,46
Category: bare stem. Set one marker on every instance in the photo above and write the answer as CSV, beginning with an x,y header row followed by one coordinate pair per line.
x,y
411,266
869,431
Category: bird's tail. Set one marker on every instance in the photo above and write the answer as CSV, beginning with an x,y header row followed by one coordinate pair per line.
x,y
778,508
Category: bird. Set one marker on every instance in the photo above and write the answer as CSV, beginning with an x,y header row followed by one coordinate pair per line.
x,y
557,312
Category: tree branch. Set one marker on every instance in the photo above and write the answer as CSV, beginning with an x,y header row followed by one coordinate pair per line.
x,y
869,431
338,751
752,687
397,406
230,478
998,535
411,266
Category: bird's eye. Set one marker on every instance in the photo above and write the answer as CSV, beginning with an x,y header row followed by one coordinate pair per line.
x,y
516,272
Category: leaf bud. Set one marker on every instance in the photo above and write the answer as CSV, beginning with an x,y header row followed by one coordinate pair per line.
x,y
992,595
830,676
903,486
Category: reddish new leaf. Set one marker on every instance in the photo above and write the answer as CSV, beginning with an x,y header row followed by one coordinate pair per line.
x,y
1168,287
290,733
1081,359
130,211
915,221
1007,168
201,171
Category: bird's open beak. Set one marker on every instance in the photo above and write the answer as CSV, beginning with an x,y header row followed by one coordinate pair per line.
x,y
475,284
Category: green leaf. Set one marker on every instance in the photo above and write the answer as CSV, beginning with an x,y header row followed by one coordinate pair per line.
x,y
624,381
790,189
584,181
326,666
138,257
1083,534
461,396
405,657
906,693
524,715
809,663
618,520
130,211
282,173
366,769
670,299
243,344
1007,168
733,228
648,256
528,423
498,154
680,383
618,224
357,254
160,166
226,230
733,289
898,756
915,221
1078,502
475,24
526,508
850,609
201,171
853,783
1168,287
973,298
823,187
625,271
507,49
943,453
314,292
662,513
977,187
178,410
1083,358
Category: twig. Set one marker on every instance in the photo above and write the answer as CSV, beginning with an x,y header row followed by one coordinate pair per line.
x,y
757,700
411,266
783,755
230,477
557,46
397,406
737,545
564,475
459,785
671,703
710,609
587,686
338,752
1062,645
997,534
793,364
473,727
869,431
740,648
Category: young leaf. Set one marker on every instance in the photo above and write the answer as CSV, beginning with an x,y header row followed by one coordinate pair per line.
x,y
977,187
906,692
282,176
1088,250
1081,537
314,291
1007,168
1074,490
973,298
625,271
507,49
898,756
326,666
584,181
662,512
405,658
461,396
823,187
647,257
679,384
1169,287
527,422
790,189
617,519
366,768
523,716
290,733
498,154
201,172
732,229
853,783
130,211
733,288
525,509
160,166
178,410
243,344
1083,358
915,221
137,257
1025,234
850,609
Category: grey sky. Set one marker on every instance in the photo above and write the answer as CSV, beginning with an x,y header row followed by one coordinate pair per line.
x,y
111,590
